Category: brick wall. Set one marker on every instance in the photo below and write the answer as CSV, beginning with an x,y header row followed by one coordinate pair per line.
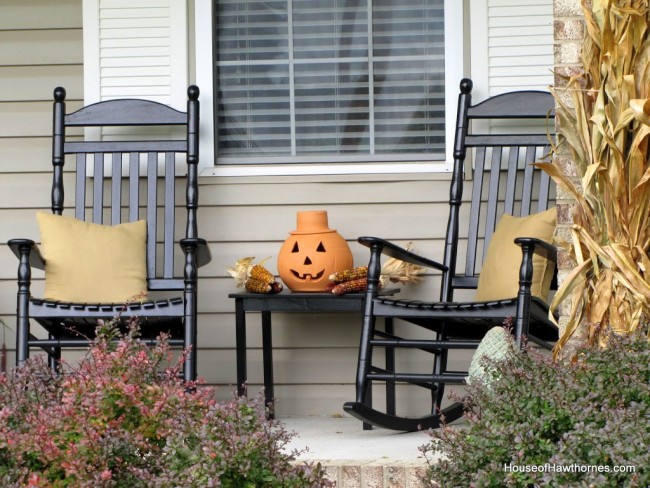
x,y
569,31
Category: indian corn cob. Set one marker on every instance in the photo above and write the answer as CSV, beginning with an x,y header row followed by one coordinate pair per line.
x,y
349,274
359,284
260,273
256,286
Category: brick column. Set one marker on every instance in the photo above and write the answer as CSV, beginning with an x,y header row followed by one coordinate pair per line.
x,y
568,34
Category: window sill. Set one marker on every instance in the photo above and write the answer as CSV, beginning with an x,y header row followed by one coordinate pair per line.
x,y
347,169
208,179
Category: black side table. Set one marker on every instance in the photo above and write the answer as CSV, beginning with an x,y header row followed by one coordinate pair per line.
x,y
297,302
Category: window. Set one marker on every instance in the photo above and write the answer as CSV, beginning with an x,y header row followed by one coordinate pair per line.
x,y
146,52
326,81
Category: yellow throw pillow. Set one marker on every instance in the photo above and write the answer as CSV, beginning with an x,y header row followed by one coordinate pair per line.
x,y
499,277
92,263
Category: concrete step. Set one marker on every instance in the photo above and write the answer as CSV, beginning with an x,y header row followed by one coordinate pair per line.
x,y
357,458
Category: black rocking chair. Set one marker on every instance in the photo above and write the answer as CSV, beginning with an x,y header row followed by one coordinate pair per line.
x,y
130,180
507,183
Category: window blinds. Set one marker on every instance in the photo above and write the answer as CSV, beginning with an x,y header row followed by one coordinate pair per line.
x,y
329,80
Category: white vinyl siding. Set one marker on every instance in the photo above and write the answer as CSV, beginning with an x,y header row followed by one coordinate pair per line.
x,y
41,48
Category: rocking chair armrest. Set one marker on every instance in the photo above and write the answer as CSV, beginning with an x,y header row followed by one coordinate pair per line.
x,y
203,254
397,252
542,248
36,259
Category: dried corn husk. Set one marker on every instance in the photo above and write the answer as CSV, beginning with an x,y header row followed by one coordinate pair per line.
x,y
397,271
606,126
240,270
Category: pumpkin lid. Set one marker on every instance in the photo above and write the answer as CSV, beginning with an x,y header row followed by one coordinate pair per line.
x,y
312,222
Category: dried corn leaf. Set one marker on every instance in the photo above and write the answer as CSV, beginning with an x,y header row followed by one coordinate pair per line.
x,y
600,301
240,270
607,130
397,271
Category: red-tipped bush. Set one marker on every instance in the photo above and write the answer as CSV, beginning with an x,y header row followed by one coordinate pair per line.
x,y
122,417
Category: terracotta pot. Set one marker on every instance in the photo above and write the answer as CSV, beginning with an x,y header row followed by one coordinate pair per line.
x,y
312,253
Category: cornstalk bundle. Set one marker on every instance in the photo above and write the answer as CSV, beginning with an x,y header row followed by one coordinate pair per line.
x,y
606,126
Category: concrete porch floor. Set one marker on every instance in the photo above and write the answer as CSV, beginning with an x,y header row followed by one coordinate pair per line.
x,y
357,458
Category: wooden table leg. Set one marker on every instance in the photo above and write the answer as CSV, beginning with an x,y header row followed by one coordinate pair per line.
x,y
267,359
240,339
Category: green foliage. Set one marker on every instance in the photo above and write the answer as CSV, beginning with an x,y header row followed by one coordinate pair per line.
x,y
121,417
539,412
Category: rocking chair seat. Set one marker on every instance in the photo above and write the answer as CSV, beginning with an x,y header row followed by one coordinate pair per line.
x,y
66,320
473,319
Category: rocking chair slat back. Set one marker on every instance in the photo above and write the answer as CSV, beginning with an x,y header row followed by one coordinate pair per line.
x,y
126,169
135,169
504,179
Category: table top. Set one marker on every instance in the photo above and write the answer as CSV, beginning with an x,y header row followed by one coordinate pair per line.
x,y
294,294
288,301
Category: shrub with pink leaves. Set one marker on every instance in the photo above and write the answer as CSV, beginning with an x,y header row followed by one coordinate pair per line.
x,y
121,417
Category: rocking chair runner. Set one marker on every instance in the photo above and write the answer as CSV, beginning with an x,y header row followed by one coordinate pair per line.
x,y
117,189
504,181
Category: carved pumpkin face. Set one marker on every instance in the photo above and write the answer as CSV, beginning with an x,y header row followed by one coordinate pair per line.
x,y
306,260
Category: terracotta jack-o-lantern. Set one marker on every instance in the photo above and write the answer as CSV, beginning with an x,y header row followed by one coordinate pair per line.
x,y
311,253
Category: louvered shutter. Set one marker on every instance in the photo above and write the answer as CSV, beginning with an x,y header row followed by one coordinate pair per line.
x,y
520,45
136,49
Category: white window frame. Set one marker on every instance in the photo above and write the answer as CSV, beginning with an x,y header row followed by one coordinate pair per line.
x,y
454,68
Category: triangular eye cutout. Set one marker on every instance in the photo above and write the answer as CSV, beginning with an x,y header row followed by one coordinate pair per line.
x,y
320,248
295,248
